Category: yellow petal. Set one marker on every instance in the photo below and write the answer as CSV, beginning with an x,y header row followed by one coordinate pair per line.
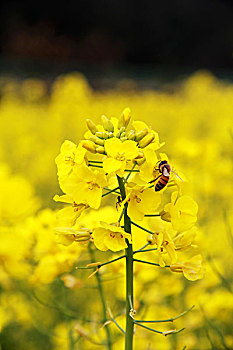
x,y
130,149
98,235
187,205
111,165
112,146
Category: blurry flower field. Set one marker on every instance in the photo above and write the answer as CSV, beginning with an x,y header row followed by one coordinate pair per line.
x,y
45,303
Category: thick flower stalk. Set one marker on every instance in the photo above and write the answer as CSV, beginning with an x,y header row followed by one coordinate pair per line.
x,y
120,159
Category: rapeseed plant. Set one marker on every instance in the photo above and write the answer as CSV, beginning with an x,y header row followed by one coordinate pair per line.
x,y
118,151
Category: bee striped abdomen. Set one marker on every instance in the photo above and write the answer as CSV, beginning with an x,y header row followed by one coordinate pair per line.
x,y
161,183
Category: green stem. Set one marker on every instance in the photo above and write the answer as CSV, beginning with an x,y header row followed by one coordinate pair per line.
x,y
149,329
145,250
141,249
129,273
167,320
122,213
110,191
149,263
127,177
95,166
142,228
111,261
104,309
151,215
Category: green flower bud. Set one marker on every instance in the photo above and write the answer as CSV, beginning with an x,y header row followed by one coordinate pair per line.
x,y
140,154
140,134
96,140
100,149
89,145
140,161
146,140
125,118
107,124
81,235
131,135
165,216
102,135
122,129
91,126
118,135
123,134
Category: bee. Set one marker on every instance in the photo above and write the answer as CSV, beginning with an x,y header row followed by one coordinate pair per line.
x,y
165,169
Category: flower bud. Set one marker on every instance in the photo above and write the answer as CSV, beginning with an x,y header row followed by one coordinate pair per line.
x,y
102,135
124,139
123,134
146,140
81,235
91,126
151,239
125,118
107,124
176,267
96,140
131,135
100,149
89,145
165,216
140,161
140,134
95,264
140,155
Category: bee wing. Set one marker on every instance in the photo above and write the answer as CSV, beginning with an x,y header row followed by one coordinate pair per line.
x,y
177,175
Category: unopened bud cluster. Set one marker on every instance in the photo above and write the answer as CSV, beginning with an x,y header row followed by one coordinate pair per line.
x,y
96,142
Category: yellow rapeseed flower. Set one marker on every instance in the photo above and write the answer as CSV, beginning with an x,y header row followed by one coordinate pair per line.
x,y
85,186
65,159
183,212
192,269
163,237
119,153
110,236
141,201
68,216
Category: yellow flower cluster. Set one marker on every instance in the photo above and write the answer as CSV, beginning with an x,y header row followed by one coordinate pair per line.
x,y
122,153
42,295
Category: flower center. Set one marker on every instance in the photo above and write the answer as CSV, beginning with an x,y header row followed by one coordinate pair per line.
x,y
69,159
137,199
120,156
92,185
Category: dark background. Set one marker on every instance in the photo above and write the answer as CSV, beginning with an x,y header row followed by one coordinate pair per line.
x,y
165,35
